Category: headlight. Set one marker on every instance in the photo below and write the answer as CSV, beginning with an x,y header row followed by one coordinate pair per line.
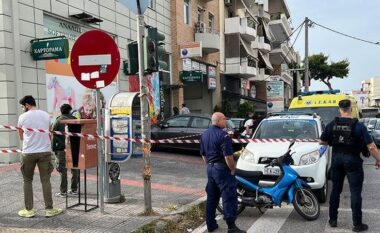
x,y
309,158
247,156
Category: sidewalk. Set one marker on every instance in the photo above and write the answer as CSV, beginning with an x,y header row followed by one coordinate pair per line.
x,y
120,217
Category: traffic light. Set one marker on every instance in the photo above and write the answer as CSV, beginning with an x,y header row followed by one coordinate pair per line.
x,y
154,51
132,67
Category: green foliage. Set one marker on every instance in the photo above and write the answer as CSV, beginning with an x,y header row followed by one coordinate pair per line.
x,y
324,72
226,108
244,109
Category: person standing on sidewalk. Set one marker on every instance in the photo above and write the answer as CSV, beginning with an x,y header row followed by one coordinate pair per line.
x,y
36,150
184,110
216,150
346,136
58,147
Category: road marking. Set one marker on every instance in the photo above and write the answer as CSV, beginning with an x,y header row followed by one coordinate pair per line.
x,y
203,227
274,218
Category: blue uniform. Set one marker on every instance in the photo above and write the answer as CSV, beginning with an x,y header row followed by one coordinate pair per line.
x,y
346,161
215,145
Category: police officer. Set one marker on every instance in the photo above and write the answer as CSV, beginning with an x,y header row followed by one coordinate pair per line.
x,y
216,150
346,136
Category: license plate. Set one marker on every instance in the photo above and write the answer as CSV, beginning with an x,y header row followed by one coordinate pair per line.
x,y
274,171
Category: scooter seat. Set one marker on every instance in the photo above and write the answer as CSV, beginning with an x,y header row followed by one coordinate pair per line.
x,y
248,174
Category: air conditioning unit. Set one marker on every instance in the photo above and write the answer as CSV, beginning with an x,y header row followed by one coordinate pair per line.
x,y
227,2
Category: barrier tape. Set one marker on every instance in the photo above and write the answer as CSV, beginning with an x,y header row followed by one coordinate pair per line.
x,y
171,140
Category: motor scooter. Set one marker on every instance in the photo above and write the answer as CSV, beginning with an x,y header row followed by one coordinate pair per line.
x,y
288,187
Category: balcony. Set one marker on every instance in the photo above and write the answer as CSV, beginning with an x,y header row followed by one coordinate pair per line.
x,y
262,75
280,27
286,76
245,26
261,44
243,67
282,54
209,38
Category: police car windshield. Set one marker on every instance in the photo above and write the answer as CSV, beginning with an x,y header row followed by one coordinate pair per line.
x,y
287,128
327,114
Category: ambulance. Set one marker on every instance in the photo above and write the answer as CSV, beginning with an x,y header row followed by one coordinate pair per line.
x,y
324,103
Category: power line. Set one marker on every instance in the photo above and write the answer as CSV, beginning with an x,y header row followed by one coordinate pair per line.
x,y
346,35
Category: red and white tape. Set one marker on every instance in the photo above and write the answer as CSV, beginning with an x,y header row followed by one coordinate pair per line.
x,y
171,140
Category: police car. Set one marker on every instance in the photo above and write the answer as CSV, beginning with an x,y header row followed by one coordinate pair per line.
x,y
311,160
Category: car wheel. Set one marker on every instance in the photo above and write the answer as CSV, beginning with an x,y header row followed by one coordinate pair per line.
x,y
322,193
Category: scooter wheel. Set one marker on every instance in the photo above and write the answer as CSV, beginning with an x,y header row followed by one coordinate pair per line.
x,y
240,208
306,204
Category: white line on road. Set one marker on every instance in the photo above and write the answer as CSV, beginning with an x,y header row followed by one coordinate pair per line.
x,y
271,221
203,228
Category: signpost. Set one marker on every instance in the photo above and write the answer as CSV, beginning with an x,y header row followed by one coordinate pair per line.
x,y
95,62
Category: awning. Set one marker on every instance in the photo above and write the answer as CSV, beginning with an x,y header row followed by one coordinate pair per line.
x,y
248,48
266,61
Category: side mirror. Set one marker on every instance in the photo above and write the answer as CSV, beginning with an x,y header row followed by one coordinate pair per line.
x,y
163,125
371,127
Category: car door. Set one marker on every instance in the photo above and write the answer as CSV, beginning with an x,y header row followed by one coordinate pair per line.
x,y
197,126
173,128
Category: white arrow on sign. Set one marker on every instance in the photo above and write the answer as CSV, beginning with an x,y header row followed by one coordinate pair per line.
x,y
132,5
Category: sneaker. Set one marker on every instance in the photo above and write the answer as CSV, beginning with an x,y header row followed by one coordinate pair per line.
x,y
52,212
213,228
72,192
333,223
359,228
26,213
60,194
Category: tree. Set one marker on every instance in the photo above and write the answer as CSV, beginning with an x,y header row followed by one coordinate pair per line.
x,y
244,109
319,69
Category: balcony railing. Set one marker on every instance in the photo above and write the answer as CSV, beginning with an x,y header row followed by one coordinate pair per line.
x,y
209,37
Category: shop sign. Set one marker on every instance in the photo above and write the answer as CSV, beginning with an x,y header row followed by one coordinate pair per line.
x,y
191,76
50,48
211,78
186,64
203,68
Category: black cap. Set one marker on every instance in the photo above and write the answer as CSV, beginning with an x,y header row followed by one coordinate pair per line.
x,y
345,103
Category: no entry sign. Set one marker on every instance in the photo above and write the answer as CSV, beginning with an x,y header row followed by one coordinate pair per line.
x,y
95,59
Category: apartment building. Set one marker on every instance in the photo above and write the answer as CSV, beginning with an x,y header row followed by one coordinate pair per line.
x,y
256,51
24,21
372,88
195,57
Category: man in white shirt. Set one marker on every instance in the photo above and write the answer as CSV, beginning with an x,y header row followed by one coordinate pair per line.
x,y
36,150
184,110
248,125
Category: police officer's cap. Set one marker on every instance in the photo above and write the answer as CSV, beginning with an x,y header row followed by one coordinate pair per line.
x,y
344,103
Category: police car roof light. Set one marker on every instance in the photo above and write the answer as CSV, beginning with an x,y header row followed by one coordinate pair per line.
x,y
306,93
294,113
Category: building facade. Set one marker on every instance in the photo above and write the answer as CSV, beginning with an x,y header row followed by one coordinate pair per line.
x,y
372,88
23,21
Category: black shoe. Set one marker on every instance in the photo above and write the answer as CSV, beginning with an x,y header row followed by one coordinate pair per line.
x,y
359,228
213,228
333,223
235,229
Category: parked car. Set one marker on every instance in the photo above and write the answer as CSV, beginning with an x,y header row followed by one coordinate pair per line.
x,y
239,123
188,126
371,124
311,160
376,132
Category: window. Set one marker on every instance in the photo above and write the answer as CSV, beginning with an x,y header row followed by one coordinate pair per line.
x,y
200,15
152,4
287,129
186,12
199,122
178,122
211,20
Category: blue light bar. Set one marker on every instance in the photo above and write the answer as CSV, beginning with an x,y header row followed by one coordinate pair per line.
x,y
306,93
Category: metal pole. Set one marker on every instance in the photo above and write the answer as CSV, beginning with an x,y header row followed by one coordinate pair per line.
x,y
307,81
145,126
100,154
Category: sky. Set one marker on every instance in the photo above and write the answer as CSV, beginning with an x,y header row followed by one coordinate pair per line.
x,y
358,18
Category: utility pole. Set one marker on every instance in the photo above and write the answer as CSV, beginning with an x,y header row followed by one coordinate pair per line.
x,y
145,126
307,81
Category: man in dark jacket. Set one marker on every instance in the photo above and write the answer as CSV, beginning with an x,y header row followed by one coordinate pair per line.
x,y
58,147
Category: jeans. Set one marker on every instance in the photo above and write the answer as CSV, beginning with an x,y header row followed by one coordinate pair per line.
x,y
352,166
61,168
45,167
220,184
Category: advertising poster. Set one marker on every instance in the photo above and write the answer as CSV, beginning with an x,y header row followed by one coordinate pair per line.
x,y
61,85
275,96
154,97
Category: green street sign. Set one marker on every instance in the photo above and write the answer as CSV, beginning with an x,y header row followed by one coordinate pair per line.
x,y
191,76
50,48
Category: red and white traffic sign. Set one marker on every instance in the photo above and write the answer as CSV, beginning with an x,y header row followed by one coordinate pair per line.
x,y
95,59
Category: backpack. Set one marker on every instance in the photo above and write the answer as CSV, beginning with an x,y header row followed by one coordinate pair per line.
x,y
342,131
